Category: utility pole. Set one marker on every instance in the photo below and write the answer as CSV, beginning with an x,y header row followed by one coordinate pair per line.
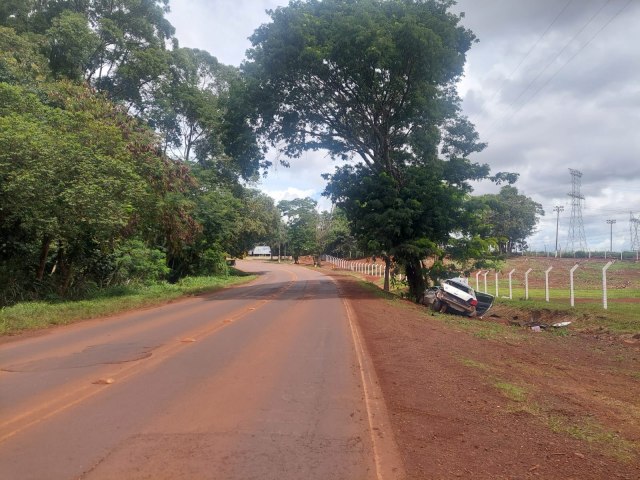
x,y
558,209
611,222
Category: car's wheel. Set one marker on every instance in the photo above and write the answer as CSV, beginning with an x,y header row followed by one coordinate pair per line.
x,y
436,305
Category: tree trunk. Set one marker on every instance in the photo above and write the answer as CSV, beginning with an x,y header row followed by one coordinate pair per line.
x,y
44,253
66,279
415,279
65,272
387,271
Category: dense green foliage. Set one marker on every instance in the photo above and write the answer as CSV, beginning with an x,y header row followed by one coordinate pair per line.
x,y
121,155
301,226
510,218
367,78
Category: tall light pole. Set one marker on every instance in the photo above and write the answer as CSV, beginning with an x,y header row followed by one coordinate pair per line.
x,y
611,222
558,209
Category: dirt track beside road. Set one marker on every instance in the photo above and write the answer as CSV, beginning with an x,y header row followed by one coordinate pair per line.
x,y
474,399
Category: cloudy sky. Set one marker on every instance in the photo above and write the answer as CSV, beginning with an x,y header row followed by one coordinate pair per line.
x,y
551,85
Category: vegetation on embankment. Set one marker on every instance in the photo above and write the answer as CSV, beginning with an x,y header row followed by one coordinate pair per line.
x,y
38,315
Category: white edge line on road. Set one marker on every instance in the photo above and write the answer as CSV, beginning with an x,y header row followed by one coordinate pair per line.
x,y
388,461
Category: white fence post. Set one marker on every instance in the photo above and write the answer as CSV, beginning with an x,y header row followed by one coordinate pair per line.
x,y
485,280
477,279
604,284
510,284
497,294
546,282
526,284
571,283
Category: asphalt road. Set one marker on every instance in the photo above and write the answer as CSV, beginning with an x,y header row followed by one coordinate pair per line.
x,y
260,381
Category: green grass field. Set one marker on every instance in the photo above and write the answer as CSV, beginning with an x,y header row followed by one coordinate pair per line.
x,y
623,291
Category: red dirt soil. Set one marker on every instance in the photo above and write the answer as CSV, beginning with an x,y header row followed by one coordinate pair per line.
x,y
473,399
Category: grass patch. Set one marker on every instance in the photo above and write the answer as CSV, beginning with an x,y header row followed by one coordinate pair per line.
x,y
38,315
376,290
480,329
511,391
591,432
474,364
619,318
584,429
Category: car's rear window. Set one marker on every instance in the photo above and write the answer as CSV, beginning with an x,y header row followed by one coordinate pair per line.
x,y
460,286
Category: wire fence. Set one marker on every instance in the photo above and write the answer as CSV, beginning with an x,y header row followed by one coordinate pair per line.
x,y
558,280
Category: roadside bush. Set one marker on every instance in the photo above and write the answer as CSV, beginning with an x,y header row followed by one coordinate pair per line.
x,y
135,262
213,261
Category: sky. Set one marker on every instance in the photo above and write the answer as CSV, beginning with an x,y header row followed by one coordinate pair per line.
x,y
550,85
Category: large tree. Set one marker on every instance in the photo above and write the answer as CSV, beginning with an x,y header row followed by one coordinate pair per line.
x,y
374,81
510,217
369,78
302,224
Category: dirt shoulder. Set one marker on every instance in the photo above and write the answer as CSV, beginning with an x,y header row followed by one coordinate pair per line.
x,y
476,399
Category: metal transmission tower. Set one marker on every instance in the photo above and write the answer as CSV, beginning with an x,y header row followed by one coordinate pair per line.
x,y
633,227
576,226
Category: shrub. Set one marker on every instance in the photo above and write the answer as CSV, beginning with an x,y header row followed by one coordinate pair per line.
x,y
135,262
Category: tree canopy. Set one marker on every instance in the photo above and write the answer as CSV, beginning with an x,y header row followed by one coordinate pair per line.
x,y
510,217
123,157
301,219
374,82
367,78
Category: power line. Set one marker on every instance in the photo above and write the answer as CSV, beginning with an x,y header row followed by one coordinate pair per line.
x,y
572,57
530,84
634,224
533,47
560,52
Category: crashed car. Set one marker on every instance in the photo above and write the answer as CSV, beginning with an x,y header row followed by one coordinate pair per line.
x,y
456,296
